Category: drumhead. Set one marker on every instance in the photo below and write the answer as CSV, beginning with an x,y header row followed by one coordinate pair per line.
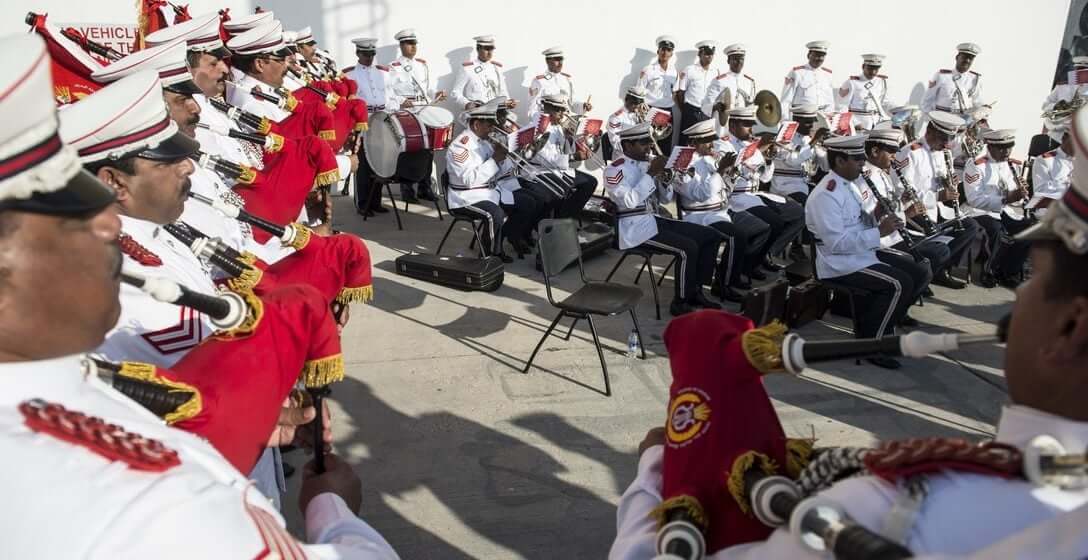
x,y
381,145
435,117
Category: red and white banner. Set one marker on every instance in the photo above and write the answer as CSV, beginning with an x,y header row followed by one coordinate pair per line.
x,y
116,36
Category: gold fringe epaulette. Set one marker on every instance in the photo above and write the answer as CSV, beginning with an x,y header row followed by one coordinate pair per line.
x,y
327,135
323,371
247,176
331,100
742,464
798,455
265,127
148,374
362,127
353,295
689,504
249,279
302,236
327,178
763,346
277,143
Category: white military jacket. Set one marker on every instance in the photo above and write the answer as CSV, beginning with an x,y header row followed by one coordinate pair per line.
x,y
473,173
882,182
373,85
805,84
949,87
743,87
617,122
480,82
923,168
1051,174
1064,92
660,83
846,235
753,169
631,188
67,501
149,330
404,75
986,183
703,195
790,173
961,514
694,81
865,99
549,83
225,147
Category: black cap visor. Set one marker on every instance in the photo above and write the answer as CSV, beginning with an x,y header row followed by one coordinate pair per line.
x,y
174,148
83,194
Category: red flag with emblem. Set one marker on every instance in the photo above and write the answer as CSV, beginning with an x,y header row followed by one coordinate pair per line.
x,y
71,66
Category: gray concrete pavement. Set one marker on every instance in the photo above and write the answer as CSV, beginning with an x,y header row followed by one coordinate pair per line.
x,y
462,456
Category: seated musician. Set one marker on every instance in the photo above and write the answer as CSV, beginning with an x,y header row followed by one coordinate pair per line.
x,y
703,199
939,505
476,165
632,184
1051,172
839,213
565,191
754,167
992,185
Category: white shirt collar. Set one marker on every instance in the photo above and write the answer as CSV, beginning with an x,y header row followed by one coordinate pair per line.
x,y
141,229
1019,424
44,378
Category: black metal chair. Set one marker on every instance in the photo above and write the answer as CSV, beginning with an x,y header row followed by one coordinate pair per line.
x,y
558,246
647,263
473,220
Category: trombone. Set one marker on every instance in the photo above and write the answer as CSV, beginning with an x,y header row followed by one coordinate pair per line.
x,y
529,170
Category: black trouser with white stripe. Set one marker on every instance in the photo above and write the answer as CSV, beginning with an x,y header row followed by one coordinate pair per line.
x,y
920,272
492,214
1006,256
890,290
938,254
695,248
579,190
759,238
739,242
801,198
961,241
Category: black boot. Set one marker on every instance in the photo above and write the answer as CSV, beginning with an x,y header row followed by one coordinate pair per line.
x,y
945,279
770,265
700,300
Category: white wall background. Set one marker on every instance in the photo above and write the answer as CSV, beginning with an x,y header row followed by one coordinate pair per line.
x,y
608,42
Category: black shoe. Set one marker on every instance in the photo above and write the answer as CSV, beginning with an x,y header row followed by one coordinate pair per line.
x,y
409,196
366,213
427,195
987,281
521,247
1010,282
379,209
798,253
731,295
945,279
771,266
928,292
885,362
908,321
700,300
505,258
680,307
757,274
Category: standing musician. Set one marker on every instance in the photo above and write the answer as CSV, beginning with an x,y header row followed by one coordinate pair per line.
x,y
742,86
839,213
632,184
633,112
996,192
554,150
958,90
373,80
692,84
940,506
659,77
476,165
308,57
1064,91
753,168
866,96
811,82
1052,172
481,79
881,146
554,82
61,223
410,86
703,199
925,166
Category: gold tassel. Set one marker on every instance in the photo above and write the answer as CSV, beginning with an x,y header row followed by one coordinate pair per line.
x,y
362,127
331,100
146,372
327,134
742,464
248,175
302,236
323,371
798,455
254,313
352,295
277,143
327,178
249,279
265,127
687,503
763,346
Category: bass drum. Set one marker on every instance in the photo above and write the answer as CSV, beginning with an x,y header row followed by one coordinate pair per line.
x,y
396,146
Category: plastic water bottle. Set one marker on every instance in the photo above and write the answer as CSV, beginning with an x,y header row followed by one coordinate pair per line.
x,y
632,344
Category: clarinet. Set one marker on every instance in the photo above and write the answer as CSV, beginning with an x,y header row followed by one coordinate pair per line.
x,y
928,227
286,234
227,310
260,124
883,202
1022,185
949,185
210,249
158,399
270,142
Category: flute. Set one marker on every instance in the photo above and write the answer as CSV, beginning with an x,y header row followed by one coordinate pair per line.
x,y
227,310
286,234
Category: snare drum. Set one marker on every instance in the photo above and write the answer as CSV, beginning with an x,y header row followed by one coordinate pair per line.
x,y
438,125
